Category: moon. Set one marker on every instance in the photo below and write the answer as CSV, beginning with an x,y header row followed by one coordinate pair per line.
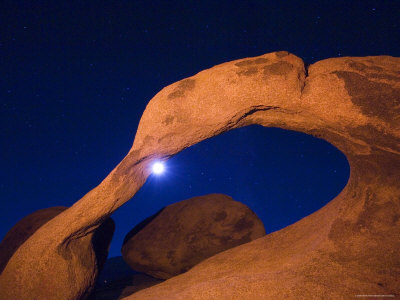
x,y
158,168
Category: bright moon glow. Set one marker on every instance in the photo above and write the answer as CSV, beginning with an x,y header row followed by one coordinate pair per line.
x,y
158,168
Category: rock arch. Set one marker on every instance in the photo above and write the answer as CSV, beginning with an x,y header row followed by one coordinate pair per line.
x,y
348,247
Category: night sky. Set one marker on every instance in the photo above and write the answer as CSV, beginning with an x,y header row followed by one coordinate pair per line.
x,y
75,77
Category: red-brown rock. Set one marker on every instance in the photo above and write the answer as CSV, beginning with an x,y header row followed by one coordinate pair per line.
x,y
98,243
21,231
185,233
347,248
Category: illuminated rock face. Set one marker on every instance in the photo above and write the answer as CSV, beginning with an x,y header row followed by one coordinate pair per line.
x,y
21,231
97,244
348,247
187,232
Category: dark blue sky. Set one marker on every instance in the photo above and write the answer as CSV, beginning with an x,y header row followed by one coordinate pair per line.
x,y
75,77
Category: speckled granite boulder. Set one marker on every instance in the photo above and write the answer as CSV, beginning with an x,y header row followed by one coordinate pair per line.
x,y
183,234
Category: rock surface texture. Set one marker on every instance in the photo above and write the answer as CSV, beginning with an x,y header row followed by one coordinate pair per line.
x,y
349,247
185,233
21,231
98,244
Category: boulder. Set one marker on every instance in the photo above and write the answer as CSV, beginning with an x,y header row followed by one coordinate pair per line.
x,y
348,247
185,233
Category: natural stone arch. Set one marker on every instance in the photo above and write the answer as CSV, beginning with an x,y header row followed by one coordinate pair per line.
x,y
348,247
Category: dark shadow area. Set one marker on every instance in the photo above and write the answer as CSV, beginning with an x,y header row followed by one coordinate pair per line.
x,y
101,240
117,280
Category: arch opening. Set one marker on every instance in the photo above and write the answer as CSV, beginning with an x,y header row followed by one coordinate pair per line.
x,y
282,175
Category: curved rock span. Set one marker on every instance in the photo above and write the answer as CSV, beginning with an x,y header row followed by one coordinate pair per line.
x,y
347,248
